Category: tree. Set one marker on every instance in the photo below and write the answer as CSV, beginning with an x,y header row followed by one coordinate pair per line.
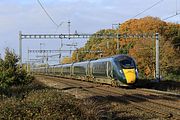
x,y
10,72
95,41
66,60
143,52
143,49
80,53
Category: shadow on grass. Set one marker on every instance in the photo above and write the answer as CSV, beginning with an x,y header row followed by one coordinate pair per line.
x,y
21,90
117,113
165,85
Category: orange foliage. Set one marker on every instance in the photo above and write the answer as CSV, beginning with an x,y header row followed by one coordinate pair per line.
x,y
143,52
142,49
144,25
66,60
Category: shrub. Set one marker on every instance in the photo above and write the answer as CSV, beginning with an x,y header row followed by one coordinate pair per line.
x,y
11,73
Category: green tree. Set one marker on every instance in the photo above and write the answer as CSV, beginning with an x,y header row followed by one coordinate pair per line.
x,y
10,72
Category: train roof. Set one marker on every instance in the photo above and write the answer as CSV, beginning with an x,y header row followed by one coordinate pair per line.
x,y
116,56
120,55
105,58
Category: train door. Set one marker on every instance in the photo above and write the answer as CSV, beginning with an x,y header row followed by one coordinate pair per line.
x,y
91,69
88,69
109,69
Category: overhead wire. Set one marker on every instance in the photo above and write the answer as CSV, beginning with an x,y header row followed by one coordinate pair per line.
x,y
176,13
158,2
48,14
176,6
148,8
171,16
57,27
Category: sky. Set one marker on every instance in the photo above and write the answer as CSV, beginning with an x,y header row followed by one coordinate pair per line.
x,y
86,16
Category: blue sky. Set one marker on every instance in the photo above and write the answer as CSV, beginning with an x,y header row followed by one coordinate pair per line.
x,y
86,16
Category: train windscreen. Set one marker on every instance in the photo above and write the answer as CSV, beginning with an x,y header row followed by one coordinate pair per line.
x,y
127,63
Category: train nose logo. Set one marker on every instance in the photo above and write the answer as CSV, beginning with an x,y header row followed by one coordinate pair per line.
x,y
129,72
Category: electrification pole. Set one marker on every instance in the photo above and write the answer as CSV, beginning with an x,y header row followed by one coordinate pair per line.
x,y
157,58
117,36
20,47
28,69
60,52
77,55
117,44
69,28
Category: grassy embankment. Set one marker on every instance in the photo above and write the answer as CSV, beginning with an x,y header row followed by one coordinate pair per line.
x,y
36,101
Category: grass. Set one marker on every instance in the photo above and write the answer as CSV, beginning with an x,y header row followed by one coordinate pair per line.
x,y
35,101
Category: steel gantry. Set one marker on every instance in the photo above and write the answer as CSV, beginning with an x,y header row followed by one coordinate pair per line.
x,y
57,51
85,36
62,36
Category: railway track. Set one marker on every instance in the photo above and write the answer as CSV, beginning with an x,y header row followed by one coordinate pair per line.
x,y
149,105
152,96
138,98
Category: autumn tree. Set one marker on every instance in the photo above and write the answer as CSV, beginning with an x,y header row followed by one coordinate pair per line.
x,y
66,60
141,48
144,49
94,44
143,52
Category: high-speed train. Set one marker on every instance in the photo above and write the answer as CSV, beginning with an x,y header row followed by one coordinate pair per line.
x,y
117,70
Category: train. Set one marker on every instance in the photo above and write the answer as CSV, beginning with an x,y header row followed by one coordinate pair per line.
x,y
118,70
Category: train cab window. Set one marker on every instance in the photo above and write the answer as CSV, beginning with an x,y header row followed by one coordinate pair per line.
x,y
127,63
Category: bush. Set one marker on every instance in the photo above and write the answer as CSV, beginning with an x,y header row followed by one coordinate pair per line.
x,y
11,73
36,101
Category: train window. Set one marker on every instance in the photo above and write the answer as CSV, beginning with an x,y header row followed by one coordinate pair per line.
x,y
127,63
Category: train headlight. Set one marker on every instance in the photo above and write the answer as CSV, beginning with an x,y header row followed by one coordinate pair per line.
x,y
137,73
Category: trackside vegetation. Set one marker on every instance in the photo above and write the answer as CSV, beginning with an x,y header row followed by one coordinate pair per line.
x,y
37,101
11,73
23,97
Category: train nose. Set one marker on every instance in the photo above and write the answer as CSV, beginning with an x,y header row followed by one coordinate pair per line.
x,y
130,75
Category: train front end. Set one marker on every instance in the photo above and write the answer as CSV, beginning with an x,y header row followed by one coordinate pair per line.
x,y
126,69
